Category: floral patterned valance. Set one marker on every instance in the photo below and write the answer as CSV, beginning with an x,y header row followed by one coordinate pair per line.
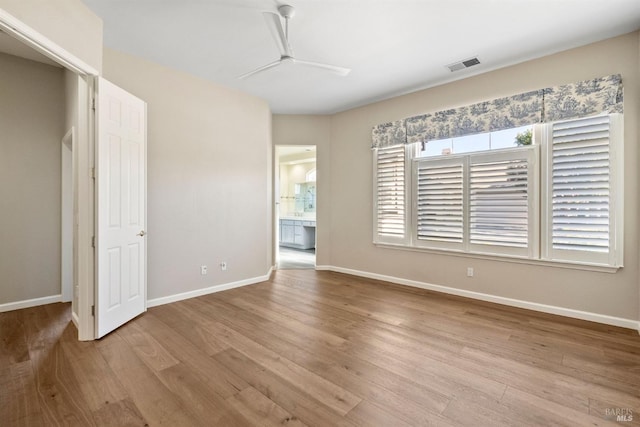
x,y
582,99
388,134
488,116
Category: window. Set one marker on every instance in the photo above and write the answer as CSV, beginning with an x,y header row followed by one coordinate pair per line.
x,y
503,202
476,142
478,202
581,205
311,175
558,198
390,194
439,189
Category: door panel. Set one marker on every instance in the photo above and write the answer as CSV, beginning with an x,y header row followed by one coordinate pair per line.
x,y
121,215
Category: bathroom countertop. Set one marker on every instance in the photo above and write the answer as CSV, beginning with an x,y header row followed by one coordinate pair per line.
x,y
298,218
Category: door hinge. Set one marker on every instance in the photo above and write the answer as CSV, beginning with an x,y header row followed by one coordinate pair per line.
x,y
92,173
93,241
93,104
93,310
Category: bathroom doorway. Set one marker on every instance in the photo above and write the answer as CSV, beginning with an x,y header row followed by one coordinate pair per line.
x,y
296,206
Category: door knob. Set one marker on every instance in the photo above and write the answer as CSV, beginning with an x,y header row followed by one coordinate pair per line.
x,y
141,234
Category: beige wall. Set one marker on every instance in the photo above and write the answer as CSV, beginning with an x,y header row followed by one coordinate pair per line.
x,y
351,213
312,130
68,23
32,121
209,186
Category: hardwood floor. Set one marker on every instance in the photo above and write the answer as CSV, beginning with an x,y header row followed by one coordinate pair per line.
x,y
319,349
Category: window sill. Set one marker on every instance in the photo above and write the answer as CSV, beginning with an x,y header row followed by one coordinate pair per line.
x,y
601,268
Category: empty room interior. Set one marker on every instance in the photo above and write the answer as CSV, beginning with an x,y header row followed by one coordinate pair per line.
x,y
305,213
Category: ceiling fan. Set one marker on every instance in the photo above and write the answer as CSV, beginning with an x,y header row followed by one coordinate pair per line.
x,y
281,36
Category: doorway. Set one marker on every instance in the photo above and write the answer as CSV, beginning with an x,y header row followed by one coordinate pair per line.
x,y
61,102
296,206
90,253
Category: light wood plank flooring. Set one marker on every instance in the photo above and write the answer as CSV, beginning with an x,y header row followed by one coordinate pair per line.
x,y
319,349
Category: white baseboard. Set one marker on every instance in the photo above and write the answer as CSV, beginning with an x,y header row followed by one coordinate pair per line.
x,y
210,290
562,311
17,305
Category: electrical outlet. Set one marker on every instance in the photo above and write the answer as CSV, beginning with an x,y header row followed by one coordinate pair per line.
x,y
469,271
223,265
203,270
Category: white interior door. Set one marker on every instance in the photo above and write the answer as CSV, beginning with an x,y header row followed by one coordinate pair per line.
x,y
121,207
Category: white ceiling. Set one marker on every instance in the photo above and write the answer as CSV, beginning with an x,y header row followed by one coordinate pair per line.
x,y
392,46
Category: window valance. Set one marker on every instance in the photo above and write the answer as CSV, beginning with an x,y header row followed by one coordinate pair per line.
x,y
581,99
488,116
388,134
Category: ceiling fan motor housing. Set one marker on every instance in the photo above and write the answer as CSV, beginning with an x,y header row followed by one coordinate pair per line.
x,y
286,11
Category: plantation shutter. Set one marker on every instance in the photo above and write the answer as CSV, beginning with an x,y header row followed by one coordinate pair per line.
x,y
580,189
390,194
500,202
440,203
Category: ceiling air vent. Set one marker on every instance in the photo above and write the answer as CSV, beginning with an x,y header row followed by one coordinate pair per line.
x,y
461,65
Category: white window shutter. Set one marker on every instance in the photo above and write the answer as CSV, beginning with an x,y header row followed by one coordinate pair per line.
x,y
440,195
502,202
580,192
390,208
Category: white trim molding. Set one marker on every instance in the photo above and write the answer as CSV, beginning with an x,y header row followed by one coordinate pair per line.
x,y
75,319
209,290
32,38
17,305
544,308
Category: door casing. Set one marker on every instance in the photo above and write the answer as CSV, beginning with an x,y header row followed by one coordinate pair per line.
x,y
67,219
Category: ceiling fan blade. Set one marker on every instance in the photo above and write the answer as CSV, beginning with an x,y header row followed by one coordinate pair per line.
x,y
338,70
261,69
275,27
